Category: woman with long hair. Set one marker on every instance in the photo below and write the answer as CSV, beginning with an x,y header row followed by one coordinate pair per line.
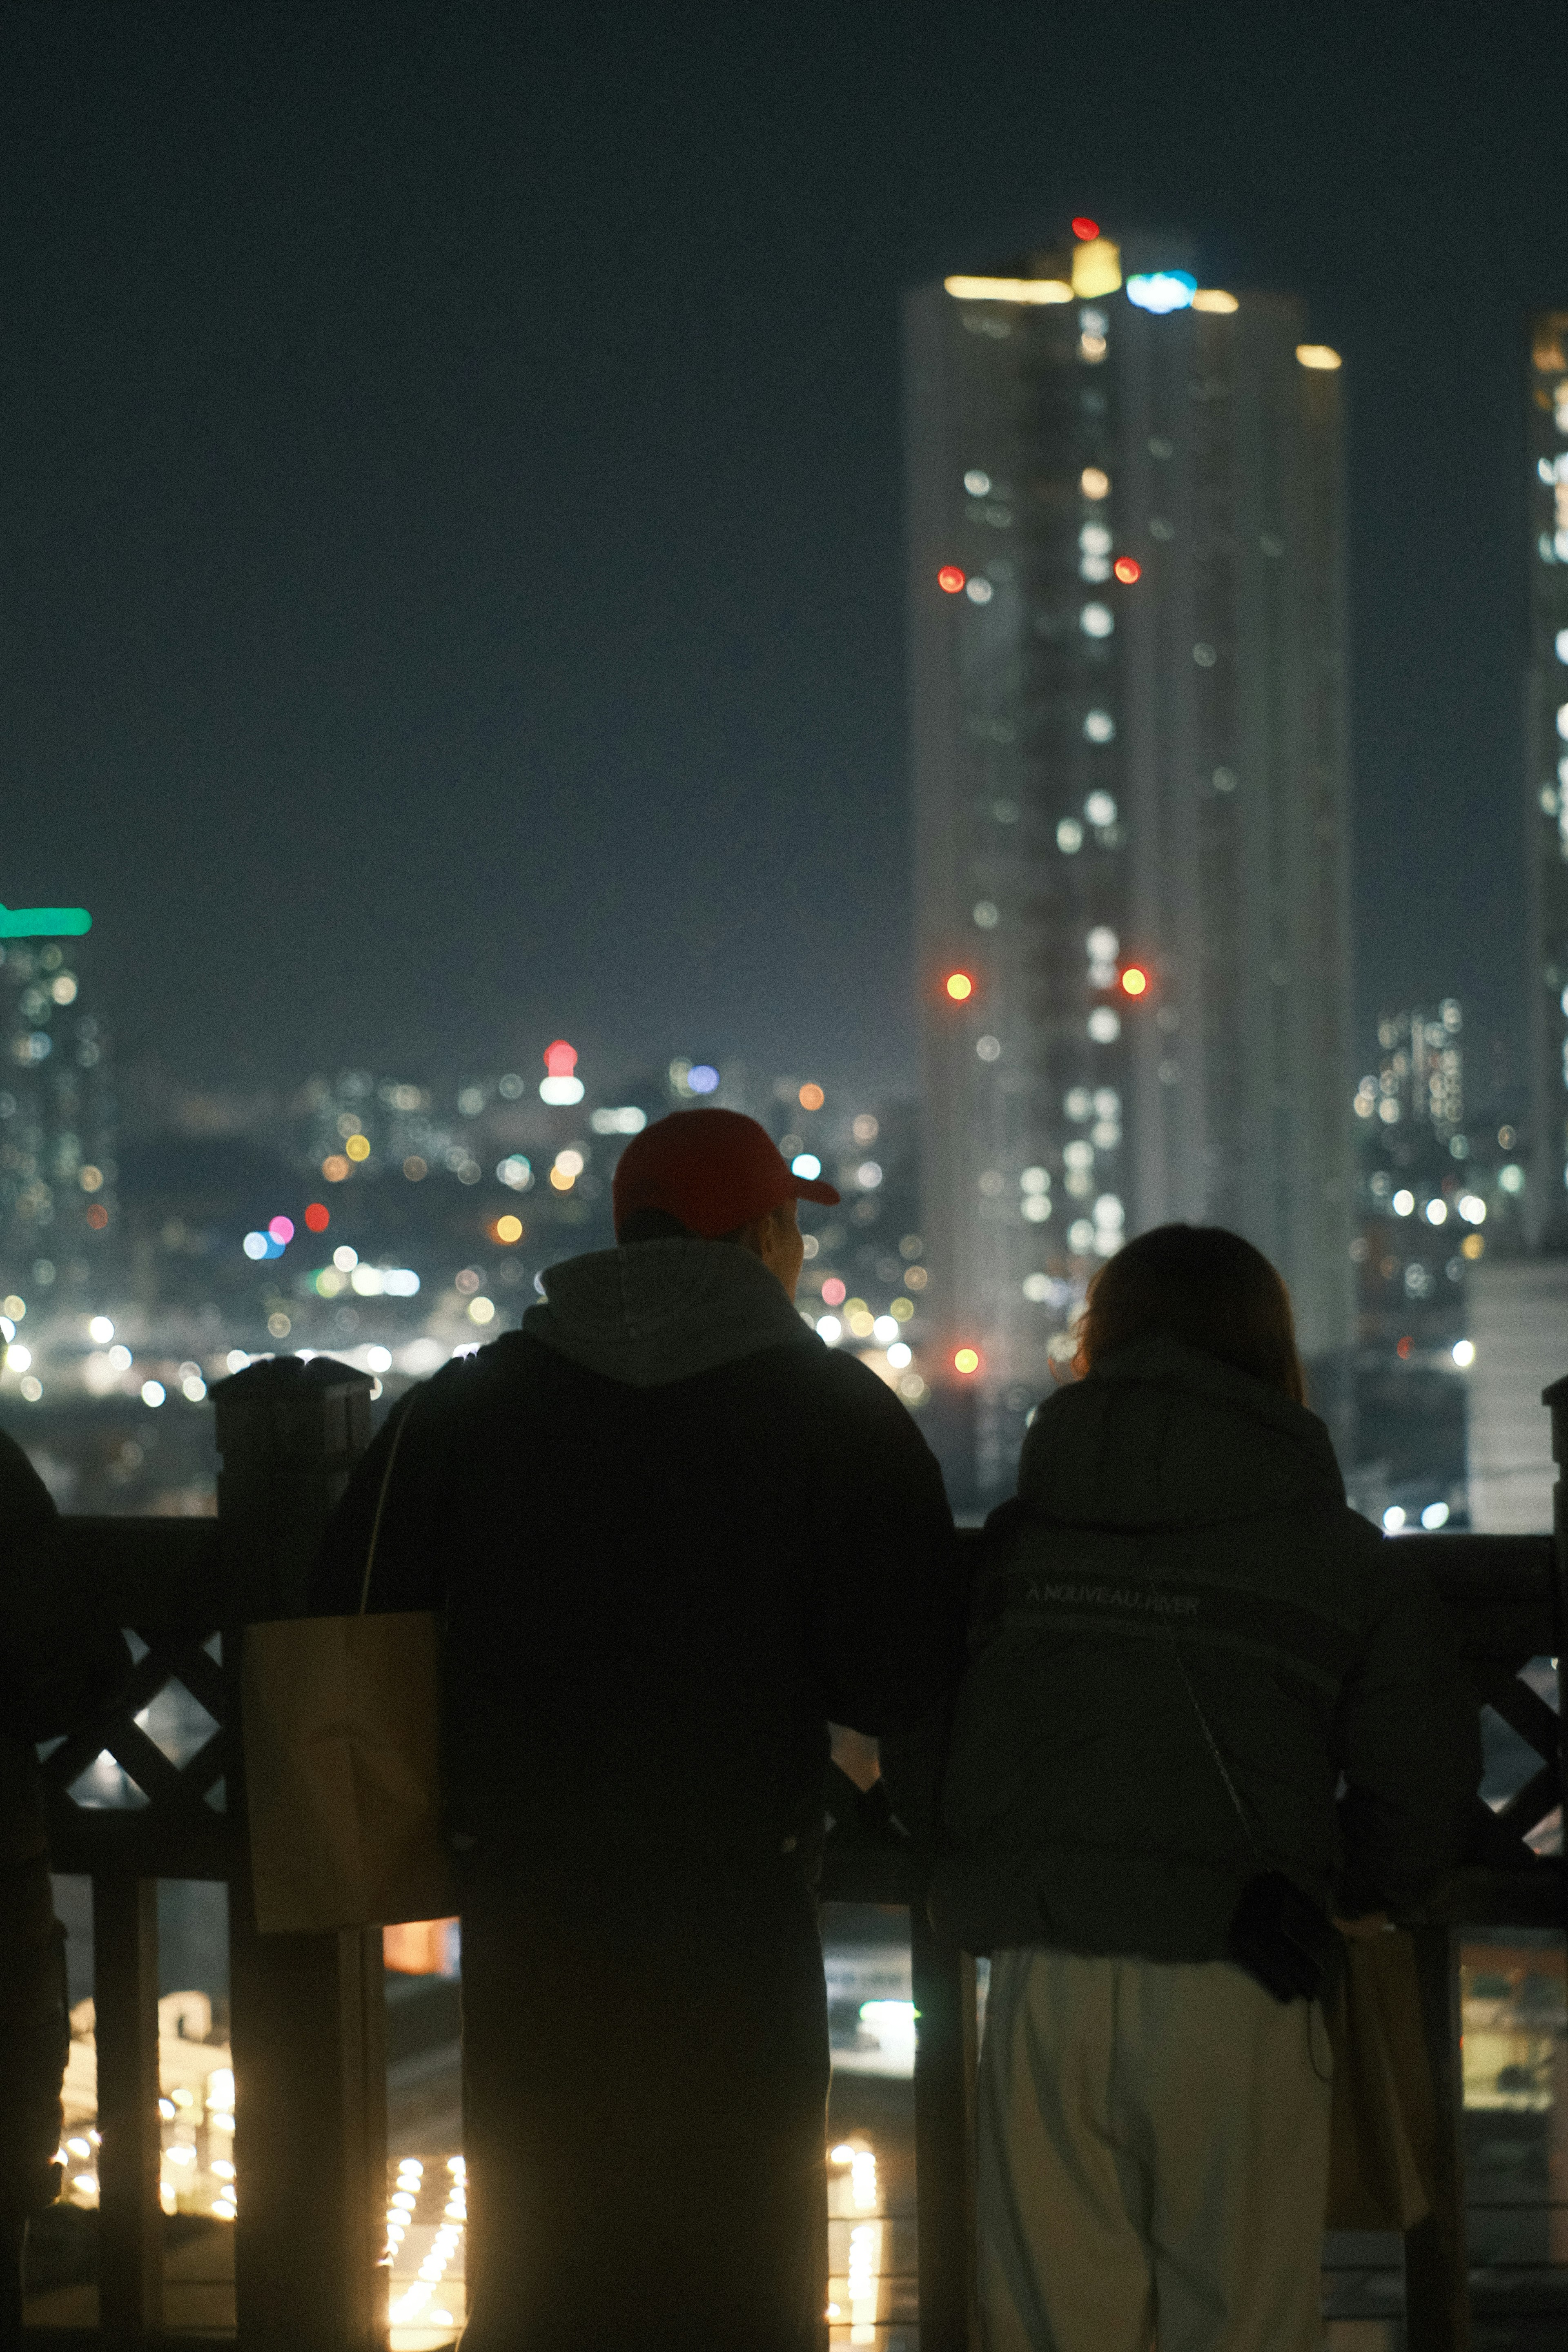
x,y
1207,1711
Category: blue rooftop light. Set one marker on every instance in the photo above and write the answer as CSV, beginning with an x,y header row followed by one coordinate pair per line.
x,y
1162,289
702,1078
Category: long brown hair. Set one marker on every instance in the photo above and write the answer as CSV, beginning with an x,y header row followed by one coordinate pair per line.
x,y
1202,1284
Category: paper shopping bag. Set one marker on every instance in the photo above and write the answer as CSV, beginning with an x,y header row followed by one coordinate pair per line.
x,y
341,1770
1383,2133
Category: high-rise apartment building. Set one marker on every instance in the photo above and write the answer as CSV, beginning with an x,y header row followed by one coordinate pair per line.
x,y
1546,1200
1127,665
57,1127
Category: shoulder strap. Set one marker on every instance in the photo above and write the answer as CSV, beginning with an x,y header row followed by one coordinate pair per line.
x,y
1209,1740
380,1503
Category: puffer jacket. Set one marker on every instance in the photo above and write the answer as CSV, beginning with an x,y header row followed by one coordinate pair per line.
x,y
1178,1523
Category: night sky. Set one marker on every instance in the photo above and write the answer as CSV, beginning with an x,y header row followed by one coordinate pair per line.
x,y
451,537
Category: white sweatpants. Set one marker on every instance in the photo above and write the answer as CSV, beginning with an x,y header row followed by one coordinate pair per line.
x,y
1153,2159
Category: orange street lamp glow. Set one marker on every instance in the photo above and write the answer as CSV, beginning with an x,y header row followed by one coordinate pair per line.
x,y
1126,569
949,579
811,1097
960,986
966,1360
1134,980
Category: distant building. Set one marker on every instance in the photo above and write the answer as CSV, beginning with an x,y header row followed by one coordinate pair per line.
x,y
1127,655
1519,1328
1546,412
58,1169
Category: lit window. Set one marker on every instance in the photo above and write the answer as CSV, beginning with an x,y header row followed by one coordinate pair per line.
x,y
1070,836
1080,1236
986,915
1102,944
1037,1288
1092,349
1436,1514
1096,621
1464,1353
979,592
1204,656
1094,568
977,482
1318,355
1100,809
806,1164
988,1048
1403,1203
1099,727
1213,297
1094,483
1008,289
1104,1025
1562,644
1096,268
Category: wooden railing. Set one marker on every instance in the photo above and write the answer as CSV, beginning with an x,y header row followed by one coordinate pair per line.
x,y
307,2012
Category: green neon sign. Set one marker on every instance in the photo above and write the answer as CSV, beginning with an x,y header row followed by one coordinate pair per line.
x,y
44,923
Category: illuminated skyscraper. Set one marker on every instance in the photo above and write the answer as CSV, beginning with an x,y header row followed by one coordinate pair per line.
x,y
1127,662
1546,1200
57,1127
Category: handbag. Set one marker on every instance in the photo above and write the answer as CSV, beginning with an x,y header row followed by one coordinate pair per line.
x,y
340,1722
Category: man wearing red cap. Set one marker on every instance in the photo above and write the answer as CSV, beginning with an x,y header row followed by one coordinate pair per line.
x,y
671,1535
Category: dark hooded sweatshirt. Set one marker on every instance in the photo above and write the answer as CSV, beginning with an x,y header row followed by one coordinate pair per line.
x,y
1175,1512
671,1535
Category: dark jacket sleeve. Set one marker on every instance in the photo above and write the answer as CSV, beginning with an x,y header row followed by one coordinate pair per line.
x,y
61,1664
889,1596
1408,1743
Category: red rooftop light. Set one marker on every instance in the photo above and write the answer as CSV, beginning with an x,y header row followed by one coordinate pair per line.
x,y
949,579
1084,229
318,1217
1126,569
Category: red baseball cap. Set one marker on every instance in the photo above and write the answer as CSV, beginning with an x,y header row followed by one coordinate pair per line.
x,y
713,1170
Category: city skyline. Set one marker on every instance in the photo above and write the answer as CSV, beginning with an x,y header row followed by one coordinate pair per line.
x,y
451,582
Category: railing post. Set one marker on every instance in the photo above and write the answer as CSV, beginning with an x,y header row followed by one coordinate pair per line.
x,y
1437,2262
307,2017
1555,1399
125,2011
943,1988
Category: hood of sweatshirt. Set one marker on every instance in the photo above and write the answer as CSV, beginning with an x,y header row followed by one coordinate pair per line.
x,y
1161,1435
661,1311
